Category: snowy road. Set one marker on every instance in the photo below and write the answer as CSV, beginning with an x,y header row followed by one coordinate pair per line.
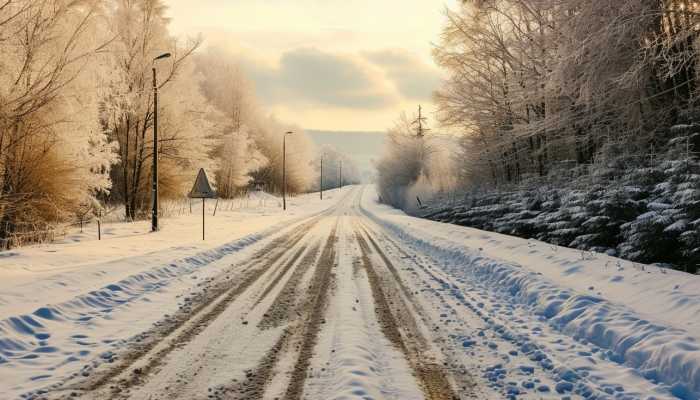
x,y
354,301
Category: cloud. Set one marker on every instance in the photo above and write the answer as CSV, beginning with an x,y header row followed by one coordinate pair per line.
x,y
308,76
324,88
348,79
367,80
414,78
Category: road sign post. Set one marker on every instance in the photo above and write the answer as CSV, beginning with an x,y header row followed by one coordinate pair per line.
x,y
202,190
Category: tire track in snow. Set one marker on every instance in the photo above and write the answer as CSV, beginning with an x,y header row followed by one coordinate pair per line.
x,y
437,279
181,328
286,301
315,308
298,340
256,380
431,376
507,333
280,273
464,378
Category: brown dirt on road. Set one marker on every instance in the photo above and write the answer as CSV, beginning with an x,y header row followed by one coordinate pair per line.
x,y
257,379
299,338
221,290
393,318
462,377
314,311
284,307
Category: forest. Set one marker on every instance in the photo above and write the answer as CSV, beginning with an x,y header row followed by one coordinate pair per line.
x,y
576,124
77,115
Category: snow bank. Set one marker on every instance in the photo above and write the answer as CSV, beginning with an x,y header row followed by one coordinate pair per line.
x,y
22,336
658,350
64,305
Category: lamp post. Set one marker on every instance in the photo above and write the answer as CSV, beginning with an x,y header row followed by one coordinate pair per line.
x,y
340,183
321,183
154,178
284,170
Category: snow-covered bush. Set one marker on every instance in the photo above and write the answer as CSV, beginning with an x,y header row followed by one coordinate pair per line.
x,y
414,167
646,210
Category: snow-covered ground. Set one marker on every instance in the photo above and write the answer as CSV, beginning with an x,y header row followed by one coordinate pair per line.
x,y
594,321
339,299
65,303
360,348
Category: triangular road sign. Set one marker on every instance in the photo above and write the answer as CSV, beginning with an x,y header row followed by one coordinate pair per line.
x,y
202,189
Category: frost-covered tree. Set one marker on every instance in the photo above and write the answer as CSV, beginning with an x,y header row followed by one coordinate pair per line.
x,y
335,163
235,153
267,134
237,158
76,115
536,83
249,143
141,34
53,152
413,164
186,133
226,86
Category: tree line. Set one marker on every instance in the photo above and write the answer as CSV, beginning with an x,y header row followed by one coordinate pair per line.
x,y
76,114
537,85
574,122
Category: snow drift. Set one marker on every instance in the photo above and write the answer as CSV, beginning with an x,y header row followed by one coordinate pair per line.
x,y
657,350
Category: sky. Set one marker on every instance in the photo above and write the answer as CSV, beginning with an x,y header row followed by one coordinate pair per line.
x,y
339,65
364,148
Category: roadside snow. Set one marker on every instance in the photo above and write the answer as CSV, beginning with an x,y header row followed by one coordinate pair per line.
x,y
64,304
639,316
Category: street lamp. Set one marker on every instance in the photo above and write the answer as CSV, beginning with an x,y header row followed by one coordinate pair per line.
x,y
284,170
154,178
320,186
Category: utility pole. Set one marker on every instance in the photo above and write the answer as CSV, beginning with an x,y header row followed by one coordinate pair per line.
x,y
420,121
321,183
284,170
340,184
154,178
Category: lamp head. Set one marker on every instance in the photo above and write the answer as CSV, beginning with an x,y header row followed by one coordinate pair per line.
x,y
162,56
